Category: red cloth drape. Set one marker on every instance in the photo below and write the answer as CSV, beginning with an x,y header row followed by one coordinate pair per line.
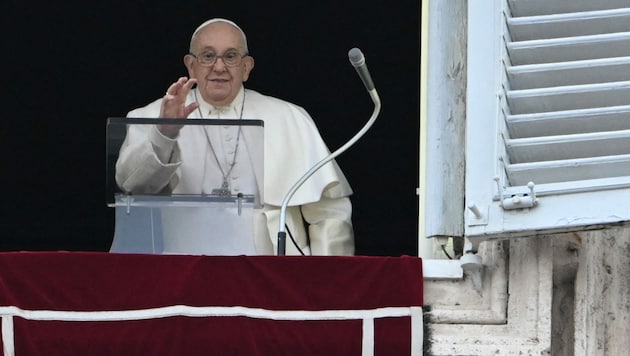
x,y
78,281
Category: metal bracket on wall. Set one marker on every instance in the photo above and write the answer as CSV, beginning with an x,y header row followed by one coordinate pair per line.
x,y
477,216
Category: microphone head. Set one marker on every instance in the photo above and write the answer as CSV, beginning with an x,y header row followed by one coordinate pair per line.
x,y
356,57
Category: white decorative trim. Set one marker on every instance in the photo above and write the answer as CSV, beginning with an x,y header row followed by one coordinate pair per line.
x,y
368,316
368,337
7,335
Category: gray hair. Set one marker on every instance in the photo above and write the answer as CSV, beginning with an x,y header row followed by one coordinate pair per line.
x,y
195,34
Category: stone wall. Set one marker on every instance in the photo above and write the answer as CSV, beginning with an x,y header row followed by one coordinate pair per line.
x,y
602,293
565,294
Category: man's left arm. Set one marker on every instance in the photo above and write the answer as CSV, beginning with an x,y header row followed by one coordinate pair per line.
x,y
330,226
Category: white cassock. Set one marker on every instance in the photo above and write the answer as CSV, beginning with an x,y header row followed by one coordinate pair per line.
x,y
150,163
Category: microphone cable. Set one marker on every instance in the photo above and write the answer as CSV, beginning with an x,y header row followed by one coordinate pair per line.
x,y
293,240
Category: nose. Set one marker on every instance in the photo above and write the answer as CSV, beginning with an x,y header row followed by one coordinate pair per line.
x,y
219,67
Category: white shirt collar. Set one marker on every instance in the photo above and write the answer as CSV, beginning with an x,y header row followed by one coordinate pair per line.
x,y
231,111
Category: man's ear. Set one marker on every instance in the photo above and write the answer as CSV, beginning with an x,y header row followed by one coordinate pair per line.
x,y
249,65
188,61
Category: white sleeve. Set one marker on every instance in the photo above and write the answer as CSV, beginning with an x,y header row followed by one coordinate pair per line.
x,y
330,226
148,161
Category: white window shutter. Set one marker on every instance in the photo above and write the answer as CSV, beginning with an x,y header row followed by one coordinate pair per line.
x,y
548,116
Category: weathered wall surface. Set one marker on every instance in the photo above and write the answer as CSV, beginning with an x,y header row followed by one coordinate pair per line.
x,y
602,293
566,294
505,309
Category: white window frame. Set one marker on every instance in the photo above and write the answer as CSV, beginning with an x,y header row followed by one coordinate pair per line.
x,y
441,194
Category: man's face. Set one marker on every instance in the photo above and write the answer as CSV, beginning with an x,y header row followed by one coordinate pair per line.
x,y
218,83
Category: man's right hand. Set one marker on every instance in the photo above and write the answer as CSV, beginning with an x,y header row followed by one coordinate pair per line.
x,y
174,105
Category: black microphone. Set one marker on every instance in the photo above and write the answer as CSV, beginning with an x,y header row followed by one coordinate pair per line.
x,y
358,61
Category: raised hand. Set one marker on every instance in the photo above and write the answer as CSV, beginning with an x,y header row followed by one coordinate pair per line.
x,y
174,105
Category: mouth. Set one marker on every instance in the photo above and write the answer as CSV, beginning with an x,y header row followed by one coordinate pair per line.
x,y
219,80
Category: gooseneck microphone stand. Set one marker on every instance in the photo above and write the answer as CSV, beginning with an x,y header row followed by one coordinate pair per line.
x,y
358,61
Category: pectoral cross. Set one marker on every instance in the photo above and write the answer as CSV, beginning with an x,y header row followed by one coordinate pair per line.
x,y
224,190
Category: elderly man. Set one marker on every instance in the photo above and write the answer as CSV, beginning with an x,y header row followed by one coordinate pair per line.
x,y
156,159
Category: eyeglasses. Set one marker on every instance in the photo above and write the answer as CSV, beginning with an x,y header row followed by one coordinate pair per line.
x,y
230,58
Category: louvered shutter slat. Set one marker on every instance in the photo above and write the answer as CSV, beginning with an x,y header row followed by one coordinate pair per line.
x,y
557,171
548,148
569,48
582,23
569,122
545,7
592,71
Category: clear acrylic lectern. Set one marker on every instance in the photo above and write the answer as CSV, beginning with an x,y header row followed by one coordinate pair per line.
x,y
194,194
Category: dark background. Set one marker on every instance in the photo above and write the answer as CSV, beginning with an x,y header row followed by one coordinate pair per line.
x,y
68,66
